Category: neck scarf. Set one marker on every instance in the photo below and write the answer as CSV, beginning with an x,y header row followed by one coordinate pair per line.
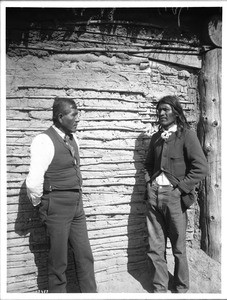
x,y
167,133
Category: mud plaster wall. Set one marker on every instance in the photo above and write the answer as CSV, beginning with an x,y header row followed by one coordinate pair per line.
x,y
116,93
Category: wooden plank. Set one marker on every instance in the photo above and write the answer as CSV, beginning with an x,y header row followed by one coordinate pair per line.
x,y
185,60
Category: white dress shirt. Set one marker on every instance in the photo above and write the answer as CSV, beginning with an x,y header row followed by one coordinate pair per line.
x,y
42,153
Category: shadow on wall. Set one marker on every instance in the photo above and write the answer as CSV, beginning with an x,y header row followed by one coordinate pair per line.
x,y
28,224
137,230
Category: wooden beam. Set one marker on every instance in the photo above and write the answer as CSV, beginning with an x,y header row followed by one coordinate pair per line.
x,y
210,135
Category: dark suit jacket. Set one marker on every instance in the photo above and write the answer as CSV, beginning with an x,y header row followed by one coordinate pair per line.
x,y
180,158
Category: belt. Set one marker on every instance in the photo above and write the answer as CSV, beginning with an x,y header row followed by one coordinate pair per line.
x,y
155,184
70,190
58,190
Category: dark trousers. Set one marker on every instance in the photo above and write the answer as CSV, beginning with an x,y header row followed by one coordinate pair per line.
x,y
63,214
166,218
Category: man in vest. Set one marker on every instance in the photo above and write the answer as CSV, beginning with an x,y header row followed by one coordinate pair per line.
x,y
54,185
175,163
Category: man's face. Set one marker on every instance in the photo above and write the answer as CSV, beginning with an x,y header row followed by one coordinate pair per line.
x,y
69,120
166,116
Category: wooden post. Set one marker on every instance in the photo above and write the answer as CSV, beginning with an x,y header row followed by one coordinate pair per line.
x,y
210,133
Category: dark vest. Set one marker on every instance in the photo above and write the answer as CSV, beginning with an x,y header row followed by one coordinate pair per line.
x,y
62,173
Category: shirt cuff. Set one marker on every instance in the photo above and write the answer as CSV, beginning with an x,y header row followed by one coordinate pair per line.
x,y
35,200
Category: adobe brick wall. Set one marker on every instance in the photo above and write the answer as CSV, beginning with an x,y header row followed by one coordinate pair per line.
x,y
116,94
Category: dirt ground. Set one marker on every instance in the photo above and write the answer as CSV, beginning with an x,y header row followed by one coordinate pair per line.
x,y
205,276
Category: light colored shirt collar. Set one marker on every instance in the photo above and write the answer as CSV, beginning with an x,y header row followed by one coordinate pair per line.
x,y
62,134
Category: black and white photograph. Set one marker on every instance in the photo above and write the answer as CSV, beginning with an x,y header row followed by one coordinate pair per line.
x,y
112,150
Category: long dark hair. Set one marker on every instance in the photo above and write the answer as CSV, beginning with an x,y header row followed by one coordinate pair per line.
x,y
174,102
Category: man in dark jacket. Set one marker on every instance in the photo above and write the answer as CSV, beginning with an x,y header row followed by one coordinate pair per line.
x,y
175,164
54,184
